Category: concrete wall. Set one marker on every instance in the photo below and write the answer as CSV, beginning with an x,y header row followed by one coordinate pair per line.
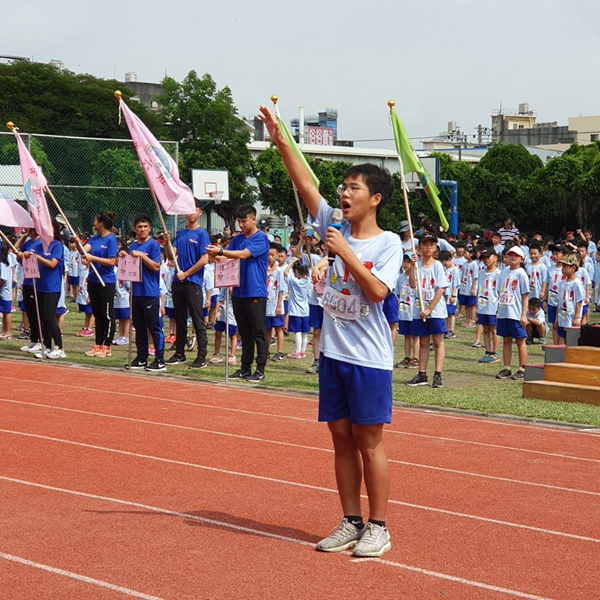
x,y
586,127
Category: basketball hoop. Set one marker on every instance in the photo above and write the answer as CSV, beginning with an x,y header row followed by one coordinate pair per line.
x,y
216,197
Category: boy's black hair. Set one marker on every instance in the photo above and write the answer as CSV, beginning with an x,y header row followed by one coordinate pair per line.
x,y
214,239
378,180
273,246
198,203
475,253
444,255
4,257
534,303
280,248
245,210
582,244
461,244
536,246
141,218
509,244
300,269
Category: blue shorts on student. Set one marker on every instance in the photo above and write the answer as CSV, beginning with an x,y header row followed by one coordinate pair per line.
x,y
315,316
274,322
420,328
451,308
552,313
5,306
361,394
122,313
510,328
72,280
213,300
487,320
405,328
467,300
298,324
86,308
61,310
220,326
390,308
170,313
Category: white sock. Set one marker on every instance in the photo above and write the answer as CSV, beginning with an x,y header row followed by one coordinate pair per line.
x,y
304,342
298,342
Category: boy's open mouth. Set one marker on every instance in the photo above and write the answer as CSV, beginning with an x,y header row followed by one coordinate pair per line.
x,y
345,205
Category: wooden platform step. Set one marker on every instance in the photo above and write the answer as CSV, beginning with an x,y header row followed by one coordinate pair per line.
x,y
562,392
583,355
573,373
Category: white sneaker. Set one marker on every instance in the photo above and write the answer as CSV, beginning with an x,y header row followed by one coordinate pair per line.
x,y
28,347
375,541
34,349
344,537
40,355
56,352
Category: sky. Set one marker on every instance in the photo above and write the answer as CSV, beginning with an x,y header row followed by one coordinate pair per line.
x,y
440,60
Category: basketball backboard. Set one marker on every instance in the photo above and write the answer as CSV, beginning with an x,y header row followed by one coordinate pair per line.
x,y
210,185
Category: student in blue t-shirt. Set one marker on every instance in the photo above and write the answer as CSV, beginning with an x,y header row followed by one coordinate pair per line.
x,y
51,267
190,249
357,354
145,307
23,244
101,252
251,246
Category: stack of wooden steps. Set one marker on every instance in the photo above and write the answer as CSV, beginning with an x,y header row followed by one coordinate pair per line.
x,y
570,373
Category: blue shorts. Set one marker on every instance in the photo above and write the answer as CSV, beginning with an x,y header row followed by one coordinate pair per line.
x,y
467,300
274,322
361,394
286,306
213,300
510,328
451,308
61,310
420,328
487,320
561,332
85,308
72,280
390,308
170,312
205,312
22,306
5,306
585,310
405,327
220,326
315,316
122,313
298,324
551,315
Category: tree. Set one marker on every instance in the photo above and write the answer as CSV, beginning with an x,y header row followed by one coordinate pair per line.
x,y
204,119
510,159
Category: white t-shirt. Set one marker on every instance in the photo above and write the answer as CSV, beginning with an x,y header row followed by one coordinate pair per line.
x,y
541,317
459,262
274,286
488,292
357,331
583,275
222,317
432,279
514,283
570,293
299,290
82,294
553,278
406,298
538,274
453,279
470,272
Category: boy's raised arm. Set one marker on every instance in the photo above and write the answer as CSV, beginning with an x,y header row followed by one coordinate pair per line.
x,y
300,176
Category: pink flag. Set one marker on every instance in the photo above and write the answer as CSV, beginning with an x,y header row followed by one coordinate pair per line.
x,y
34,183
160,169
13,215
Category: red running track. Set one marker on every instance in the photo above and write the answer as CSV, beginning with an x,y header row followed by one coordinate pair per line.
x,y
161,488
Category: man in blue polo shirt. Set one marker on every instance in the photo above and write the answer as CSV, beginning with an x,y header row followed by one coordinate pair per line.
x,y
190,248
145,307
250,297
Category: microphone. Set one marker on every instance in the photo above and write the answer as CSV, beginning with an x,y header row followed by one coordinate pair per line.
x,y
336,221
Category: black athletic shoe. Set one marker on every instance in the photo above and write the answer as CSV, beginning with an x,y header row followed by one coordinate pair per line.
x,y
136,363
239,374
437,381
156,366
176,360
504,374
418,379
277,356
190,343
256,377
199,363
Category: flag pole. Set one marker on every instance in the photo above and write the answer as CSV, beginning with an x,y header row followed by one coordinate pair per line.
x,y
298,206
391,104
69,226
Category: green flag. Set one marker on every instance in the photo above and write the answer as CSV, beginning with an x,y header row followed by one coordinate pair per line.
x,y
292,142
412,164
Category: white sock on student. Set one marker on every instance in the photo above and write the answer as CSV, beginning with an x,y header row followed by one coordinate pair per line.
x,y
304,342
298,342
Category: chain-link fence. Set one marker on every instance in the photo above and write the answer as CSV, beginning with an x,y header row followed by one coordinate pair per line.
x,y
87,176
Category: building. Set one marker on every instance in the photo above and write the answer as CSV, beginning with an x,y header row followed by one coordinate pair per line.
x,y
145,93
319,129
587,129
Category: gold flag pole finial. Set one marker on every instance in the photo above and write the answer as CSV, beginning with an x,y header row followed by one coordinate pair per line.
x,y
118,94
11,126
391,104
274,99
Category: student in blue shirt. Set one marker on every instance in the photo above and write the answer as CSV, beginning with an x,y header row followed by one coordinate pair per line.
x,y
23,244
250,297
101,250
51,267
145,306
190,249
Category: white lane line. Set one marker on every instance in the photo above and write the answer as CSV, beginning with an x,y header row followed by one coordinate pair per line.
x,y
83,578
312,421
282,538
301,485
300,446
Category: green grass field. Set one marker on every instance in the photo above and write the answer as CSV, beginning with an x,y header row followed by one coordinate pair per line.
x,y
468,385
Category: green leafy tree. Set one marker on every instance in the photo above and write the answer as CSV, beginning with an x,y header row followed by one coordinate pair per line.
x,y
212,136
510,159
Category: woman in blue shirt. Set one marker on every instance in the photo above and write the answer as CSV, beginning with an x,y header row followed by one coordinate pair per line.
x,y
51,267
101,250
